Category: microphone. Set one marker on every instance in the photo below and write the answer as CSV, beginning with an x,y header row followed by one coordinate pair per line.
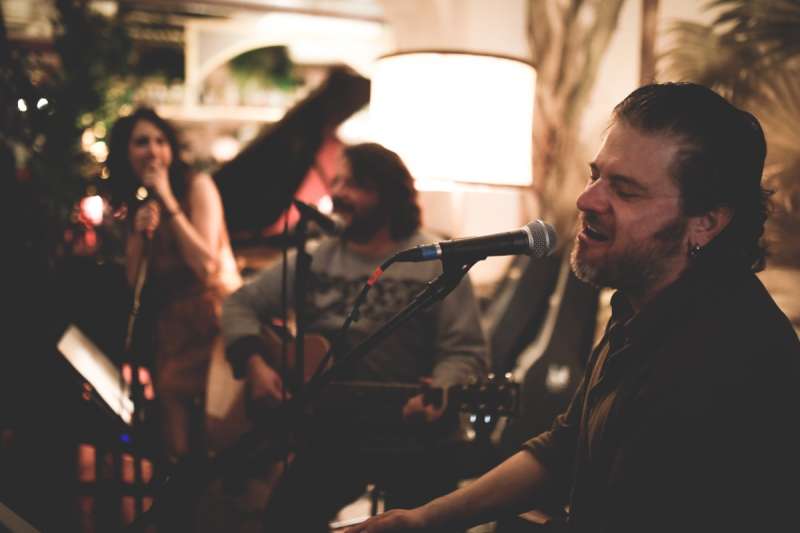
x,y
332,225
537,239
149,203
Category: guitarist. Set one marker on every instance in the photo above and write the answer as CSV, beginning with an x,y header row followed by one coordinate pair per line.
x,y
373,192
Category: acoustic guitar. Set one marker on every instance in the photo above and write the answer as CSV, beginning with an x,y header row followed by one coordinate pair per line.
x,y
367,403
364,405
226,397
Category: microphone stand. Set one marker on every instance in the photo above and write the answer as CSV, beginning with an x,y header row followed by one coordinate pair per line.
x,y
136,387
253,448
297,381
302,268
452,273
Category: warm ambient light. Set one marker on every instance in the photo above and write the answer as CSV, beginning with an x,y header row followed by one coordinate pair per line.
x,y
92,209
456,116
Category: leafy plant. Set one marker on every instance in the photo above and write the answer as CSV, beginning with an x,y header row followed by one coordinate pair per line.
x,y
567,41
52,98
270,66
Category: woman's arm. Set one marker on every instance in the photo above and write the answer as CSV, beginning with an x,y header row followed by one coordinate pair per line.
x,y
198,234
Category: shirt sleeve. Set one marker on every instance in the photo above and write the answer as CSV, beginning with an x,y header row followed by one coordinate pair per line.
x,y
556,447
246,310
461,350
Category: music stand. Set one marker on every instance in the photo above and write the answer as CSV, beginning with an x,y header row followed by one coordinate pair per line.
x,y
112,393
13,523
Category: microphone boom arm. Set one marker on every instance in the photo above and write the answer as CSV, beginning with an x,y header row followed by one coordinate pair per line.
x,y
435,290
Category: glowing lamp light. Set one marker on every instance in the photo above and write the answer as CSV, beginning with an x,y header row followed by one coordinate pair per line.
x,y
92,209
99,151
456,116
224,148
325,204
87,139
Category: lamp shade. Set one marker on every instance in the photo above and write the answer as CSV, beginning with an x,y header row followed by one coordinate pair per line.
x,y
456,116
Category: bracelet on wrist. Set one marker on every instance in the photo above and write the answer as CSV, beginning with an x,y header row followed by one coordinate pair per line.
x,y
169,215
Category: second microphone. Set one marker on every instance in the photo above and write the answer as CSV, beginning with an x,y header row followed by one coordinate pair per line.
x,y
537,239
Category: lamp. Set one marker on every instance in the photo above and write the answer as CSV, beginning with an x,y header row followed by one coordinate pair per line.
x,y
456,116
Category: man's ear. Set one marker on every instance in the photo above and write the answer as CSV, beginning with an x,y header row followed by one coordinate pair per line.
x,y
704,228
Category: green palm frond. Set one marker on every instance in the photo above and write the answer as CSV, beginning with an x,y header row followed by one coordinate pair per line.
x,y
770,26
704,56
778,107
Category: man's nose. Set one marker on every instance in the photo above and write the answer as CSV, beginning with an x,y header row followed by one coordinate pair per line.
x,y
593,198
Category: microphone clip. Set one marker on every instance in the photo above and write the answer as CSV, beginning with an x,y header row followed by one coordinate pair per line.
x,y
331,225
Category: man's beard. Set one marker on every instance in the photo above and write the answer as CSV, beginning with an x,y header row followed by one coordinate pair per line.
x,y
636,268
363,225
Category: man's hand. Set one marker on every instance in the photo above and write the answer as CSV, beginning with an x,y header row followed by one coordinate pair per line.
x,y
416,410
264,383
394,520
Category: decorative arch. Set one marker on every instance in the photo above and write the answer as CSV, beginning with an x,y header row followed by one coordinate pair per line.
x,y
308,38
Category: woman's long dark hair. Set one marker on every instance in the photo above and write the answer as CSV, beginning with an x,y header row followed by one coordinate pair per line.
x,y
123,183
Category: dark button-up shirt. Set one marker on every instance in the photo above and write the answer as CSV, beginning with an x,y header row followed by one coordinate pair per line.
x,y
687,416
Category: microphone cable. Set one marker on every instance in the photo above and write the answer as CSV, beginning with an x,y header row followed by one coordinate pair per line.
x,y
354,315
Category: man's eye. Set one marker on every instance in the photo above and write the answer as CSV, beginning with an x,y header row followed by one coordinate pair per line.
x,y
625,194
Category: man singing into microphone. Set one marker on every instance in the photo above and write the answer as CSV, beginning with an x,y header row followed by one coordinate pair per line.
x,y
686,419
373,192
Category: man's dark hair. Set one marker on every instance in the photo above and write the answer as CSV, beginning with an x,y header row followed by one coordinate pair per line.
x,y
377,168
122,181
719,163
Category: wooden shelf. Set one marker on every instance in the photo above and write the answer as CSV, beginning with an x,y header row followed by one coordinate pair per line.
x,y
221,113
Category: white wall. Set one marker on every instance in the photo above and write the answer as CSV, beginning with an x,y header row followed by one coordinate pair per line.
x,y
481,26
619,71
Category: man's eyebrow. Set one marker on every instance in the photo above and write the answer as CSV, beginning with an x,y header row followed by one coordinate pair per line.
x,y
620,178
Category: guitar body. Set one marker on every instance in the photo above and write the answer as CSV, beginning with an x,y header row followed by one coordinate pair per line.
x,y
370,405
369,413
226,396
226,416
348,409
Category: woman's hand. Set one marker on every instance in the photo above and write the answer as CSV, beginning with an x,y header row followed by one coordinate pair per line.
x,y
147,218
156,178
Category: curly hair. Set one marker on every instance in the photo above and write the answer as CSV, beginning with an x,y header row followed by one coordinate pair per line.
x,y
376,167
123,183
719,163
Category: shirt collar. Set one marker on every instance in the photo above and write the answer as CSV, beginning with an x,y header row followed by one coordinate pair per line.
x,y
666,308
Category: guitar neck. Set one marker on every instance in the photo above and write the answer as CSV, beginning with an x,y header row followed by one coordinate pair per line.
x,y
494,397
385,386
380,392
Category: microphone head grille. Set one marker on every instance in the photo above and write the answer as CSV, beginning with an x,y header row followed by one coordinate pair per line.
x,y
544,238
